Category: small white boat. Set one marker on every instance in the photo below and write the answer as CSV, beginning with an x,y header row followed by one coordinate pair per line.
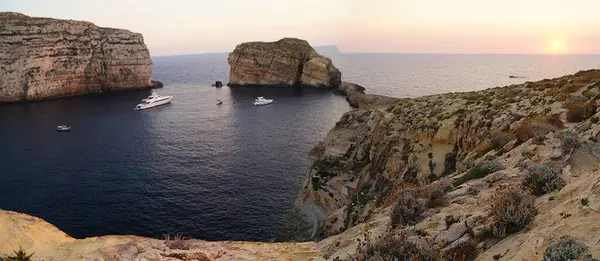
x,y
262,101
219,101
152,101
63,128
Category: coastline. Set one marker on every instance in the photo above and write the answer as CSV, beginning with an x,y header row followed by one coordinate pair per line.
x,y
359,130
153,85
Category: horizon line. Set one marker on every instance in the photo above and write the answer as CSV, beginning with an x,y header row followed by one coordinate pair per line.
x,y
405,53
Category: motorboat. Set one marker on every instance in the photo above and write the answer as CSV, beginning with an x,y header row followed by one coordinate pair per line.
x,y
63,127
152,101
152,96
262,101
219,101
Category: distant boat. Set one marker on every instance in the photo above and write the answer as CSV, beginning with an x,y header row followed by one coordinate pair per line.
x,y
152,101
62,128
219,101
262,101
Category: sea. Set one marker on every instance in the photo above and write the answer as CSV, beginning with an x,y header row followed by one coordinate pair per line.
x,y
213,172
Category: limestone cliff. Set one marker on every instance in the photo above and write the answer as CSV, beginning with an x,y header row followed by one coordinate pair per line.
x,y
43,58
287,62
455,152
49,243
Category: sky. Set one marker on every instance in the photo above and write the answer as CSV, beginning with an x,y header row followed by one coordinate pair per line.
x,y
172,27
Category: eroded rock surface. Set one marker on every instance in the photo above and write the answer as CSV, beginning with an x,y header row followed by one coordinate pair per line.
x,y
49,243
383,148
44,58
287,62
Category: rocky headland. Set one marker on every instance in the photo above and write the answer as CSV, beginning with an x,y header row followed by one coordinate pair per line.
x,y
510,173
44,58
287,62
507,173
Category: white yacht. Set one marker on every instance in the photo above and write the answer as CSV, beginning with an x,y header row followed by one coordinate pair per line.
x,y
261,101
152,101
63,128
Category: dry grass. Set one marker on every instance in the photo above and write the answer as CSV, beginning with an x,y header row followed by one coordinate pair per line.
x,y
176,242
465,252
580,111
395,248
513,209
524,132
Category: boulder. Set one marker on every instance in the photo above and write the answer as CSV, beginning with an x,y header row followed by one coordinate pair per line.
x,y
287,62
44,58
218,84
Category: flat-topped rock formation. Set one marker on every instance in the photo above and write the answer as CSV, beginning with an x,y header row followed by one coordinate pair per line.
x,y
44,58
287,62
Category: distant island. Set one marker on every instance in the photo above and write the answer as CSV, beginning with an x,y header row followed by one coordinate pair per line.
x,y
327,50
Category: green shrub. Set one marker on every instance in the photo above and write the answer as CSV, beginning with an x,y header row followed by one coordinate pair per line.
x,y
512,209
565,249
479,171
594,120
543,179
570,141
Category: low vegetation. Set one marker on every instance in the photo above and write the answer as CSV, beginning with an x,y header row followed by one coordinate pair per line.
x,y
479,171
565,249
524,132
393,248
465,252
20,255
512,209
570,141
176,242
408,208
543,179
580,111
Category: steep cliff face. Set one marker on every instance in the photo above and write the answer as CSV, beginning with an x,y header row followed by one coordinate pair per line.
x,y
287,62
457,151
44,58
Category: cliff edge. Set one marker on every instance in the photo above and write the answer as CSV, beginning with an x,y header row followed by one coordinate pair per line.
x,y
47,242
507,173
44,58
287,62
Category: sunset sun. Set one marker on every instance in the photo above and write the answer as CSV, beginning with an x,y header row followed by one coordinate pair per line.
x,y
556,45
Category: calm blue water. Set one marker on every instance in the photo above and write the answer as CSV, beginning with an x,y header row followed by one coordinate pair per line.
x,y
228,172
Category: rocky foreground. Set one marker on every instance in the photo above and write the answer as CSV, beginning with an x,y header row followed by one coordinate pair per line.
x,y
44,58
509,173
